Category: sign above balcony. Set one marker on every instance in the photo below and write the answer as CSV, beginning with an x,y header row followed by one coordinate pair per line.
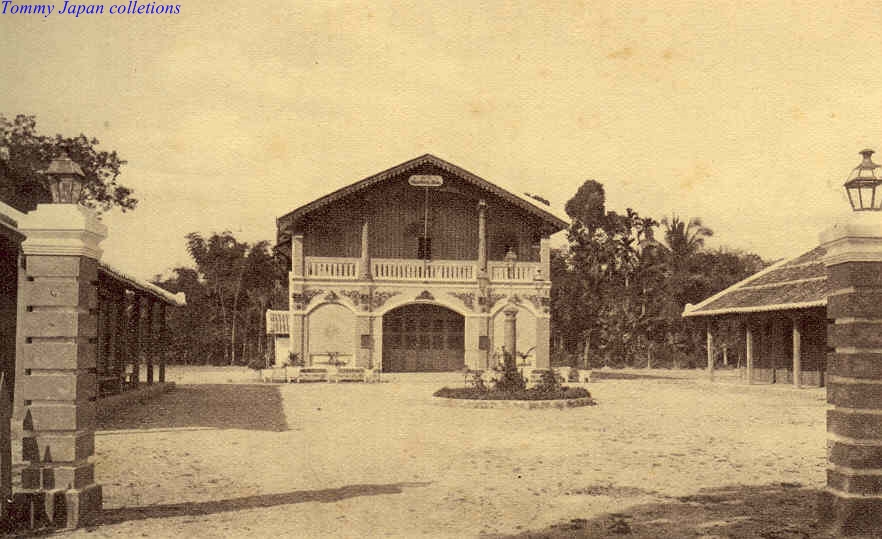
x,y
426,180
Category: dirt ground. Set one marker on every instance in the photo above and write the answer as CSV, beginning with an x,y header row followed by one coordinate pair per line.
x,y
663,454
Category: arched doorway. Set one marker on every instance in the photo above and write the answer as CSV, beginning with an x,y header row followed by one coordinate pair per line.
x,y
423,338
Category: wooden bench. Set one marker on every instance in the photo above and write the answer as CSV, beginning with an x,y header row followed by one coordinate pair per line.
x,y
312,374
349,374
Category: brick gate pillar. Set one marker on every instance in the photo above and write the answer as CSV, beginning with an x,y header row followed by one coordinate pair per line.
x,y
55,375
852,502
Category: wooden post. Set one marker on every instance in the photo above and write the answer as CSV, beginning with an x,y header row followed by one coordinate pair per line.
x,y
135,348
710,350
797,351
366,273
482,238
152,340
748,341
163,340
297,257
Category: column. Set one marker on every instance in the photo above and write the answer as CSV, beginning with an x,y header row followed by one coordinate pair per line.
x,y
134,337
296,328
851,504
365,263
163,341
476,342
151,340
797,351
545,257
510,331
710,351
543,342
748,342
482,239
297,257
364,342
57,382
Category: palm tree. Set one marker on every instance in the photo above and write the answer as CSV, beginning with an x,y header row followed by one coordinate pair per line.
x,y
684,239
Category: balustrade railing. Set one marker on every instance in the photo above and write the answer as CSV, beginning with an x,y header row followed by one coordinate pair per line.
x,y
331,268
423,270
522,271
277,322
402,269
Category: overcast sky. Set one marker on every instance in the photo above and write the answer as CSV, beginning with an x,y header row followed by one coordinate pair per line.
x,y
748,114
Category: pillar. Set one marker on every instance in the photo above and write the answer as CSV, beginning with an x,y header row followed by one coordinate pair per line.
x,y
163,341
797,351
510,331
482,239
545,257
748,342
851,504
133,335
55,379
477,342
297,327
365,273
364,341
297,257
543,342
710,351
151,340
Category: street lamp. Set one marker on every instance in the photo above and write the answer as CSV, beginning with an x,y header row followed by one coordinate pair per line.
x,y
65,180
863,185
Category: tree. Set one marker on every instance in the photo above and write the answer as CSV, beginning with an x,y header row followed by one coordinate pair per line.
x,y
26,154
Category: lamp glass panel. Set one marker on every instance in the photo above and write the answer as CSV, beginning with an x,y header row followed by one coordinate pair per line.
x,y
867,192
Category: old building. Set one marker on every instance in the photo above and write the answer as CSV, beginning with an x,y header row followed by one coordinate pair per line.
x,y
415,269
782,316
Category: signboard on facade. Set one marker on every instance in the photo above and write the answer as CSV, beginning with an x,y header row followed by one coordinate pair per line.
x,y
426,180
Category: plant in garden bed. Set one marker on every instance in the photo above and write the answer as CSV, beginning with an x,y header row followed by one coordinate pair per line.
x,y
512,386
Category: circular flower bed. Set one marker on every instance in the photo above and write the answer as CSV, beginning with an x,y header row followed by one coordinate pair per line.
x,y
523,395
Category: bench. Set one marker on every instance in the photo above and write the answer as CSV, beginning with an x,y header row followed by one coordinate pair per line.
x,y
312,374
349,374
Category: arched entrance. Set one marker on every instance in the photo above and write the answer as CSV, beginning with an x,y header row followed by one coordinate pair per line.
x,y
423,338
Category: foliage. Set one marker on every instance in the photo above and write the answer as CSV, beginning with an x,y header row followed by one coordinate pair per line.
x,y
27,154
618,293
549,382
228,294
519,395
511,379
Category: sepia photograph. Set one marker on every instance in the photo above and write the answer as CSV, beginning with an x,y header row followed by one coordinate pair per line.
x,y
464,269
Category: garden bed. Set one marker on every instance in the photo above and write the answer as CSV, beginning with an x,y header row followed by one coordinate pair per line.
x,y
467,397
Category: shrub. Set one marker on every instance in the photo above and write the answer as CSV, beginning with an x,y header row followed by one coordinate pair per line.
x,y
511,379
522,395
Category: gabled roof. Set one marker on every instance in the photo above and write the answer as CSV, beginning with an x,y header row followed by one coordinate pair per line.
x,y
796,283
555,219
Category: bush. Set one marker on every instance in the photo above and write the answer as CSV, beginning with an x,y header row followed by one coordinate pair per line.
x,y
511,379
548,382
522,395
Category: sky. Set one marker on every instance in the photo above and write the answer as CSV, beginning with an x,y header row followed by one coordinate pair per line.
x,y
747,114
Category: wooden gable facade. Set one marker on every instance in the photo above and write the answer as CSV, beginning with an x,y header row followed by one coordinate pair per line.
x,y
453,254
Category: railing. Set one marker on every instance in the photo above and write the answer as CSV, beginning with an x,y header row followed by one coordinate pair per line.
x,y
522,271
402,269
331,268
423,270
277,322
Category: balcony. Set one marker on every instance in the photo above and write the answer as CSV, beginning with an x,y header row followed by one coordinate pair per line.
x,y
399,269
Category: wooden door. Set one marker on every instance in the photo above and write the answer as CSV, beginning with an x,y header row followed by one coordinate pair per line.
x,y
423,338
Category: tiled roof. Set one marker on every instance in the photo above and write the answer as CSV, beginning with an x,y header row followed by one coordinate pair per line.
x,y
797,283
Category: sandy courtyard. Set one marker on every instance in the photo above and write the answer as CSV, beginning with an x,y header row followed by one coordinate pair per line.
x,y
353,460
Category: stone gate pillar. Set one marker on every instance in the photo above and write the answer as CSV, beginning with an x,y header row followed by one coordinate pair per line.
x,y
510,331
476,341
55,374
852,502
543,342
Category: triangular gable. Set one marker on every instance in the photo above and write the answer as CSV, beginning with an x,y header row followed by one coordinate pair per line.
x,y
795,283
554,219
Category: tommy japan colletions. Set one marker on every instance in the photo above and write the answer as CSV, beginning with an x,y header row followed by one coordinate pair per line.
x,y
9,7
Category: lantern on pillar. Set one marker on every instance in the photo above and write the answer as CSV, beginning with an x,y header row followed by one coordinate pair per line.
x,y
65,180
863,185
